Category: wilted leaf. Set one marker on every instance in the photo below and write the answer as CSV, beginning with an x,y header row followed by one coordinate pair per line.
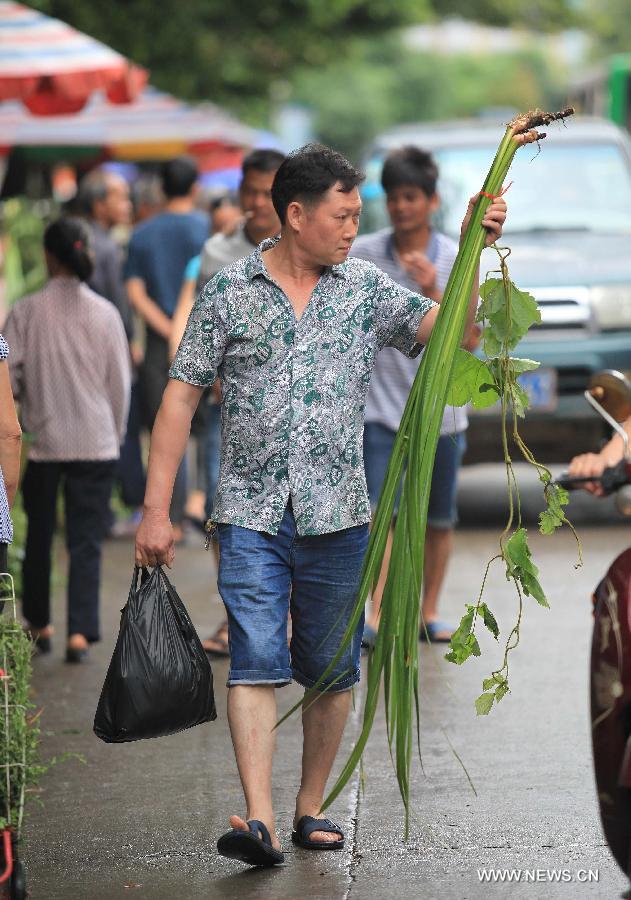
x,y
554,516
484,703
489,620
520,399
463,643
501,692
521,567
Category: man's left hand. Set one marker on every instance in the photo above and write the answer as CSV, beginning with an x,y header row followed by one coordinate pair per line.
x,y
493,220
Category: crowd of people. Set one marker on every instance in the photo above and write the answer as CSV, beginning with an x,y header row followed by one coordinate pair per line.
x,y
288,349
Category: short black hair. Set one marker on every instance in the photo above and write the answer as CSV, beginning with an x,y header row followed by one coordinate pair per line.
x,y
263,160
410,166
92,187
68,240
227,199
308,173
178,176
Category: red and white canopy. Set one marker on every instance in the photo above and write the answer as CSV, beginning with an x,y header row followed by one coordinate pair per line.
x,y
53,69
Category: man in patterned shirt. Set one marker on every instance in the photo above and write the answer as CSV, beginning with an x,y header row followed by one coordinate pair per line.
x,y
292,330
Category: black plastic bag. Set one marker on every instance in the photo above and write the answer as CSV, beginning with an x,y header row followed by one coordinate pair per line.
x,y
159,680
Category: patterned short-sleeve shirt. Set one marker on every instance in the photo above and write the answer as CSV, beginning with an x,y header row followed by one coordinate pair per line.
x,y
294,390
6,527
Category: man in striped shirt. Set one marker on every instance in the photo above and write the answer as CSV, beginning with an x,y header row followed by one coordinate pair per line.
x,y
418,257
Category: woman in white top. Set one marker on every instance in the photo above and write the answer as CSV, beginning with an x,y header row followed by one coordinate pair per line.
x,y
70,371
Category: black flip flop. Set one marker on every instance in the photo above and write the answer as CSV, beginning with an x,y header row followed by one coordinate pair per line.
x,y
249,847
307,825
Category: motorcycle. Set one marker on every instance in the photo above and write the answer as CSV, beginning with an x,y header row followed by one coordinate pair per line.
x,y
609,393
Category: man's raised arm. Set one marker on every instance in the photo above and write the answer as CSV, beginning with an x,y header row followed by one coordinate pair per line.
x,y
493,221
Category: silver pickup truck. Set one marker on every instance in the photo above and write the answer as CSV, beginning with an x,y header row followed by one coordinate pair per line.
x,y
569,228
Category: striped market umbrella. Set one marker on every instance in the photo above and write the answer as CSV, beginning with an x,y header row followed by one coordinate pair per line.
x,y
53,69
155,126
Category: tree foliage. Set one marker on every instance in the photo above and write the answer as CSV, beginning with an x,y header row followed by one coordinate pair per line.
x,y
230,52
538,15
237,54
610,24
381,83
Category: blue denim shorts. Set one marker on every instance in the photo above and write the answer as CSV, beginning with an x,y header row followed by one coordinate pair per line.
x,y
442,510
262,577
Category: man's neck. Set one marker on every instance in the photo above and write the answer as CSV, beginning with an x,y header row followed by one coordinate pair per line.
x,y
407,241
179,205
286,260
255,236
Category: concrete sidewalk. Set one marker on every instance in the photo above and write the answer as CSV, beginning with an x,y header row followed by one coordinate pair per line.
x,y
141,820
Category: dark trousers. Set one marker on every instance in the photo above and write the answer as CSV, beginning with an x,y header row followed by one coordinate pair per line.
x,y
130,471
87,487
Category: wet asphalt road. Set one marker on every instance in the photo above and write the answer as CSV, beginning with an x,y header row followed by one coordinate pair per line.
x,y
141,820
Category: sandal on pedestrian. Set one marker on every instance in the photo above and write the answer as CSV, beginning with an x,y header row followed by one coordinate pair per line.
x,y
249,847
221,648
436,632
307,825
76,649
41,638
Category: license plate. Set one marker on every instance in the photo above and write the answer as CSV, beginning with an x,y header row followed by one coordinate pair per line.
x,y
541,387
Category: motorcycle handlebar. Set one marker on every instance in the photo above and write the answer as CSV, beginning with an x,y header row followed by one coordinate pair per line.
x,y
612,478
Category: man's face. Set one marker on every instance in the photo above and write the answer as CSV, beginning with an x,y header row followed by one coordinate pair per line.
x,y
255,195
116,206
225,218
327,230
410,208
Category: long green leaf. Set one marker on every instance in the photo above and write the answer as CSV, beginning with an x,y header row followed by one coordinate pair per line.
x,y
395,654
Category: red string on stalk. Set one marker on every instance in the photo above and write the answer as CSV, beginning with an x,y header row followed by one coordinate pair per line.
x,y
496,196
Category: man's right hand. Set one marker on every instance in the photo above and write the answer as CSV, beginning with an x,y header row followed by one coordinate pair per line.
x,y
586,465
154,540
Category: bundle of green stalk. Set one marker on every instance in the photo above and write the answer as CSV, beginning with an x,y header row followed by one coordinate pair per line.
x,y
19,729
446,374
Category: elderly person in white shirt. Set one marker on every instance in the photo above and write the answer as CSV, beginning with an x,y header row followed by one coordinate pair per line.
x,y
70,372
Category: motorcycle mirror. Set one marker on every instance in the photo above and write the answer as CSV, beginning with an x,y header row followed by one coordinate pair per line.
x,y
612,391
609,393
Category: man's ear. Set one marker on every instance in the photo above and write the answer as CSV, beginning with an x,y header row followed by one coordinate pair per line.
x,y
434,202
295,215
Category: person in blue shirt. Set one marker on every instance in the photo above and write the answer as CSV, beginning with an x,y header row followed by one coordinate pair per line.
x,y
159,252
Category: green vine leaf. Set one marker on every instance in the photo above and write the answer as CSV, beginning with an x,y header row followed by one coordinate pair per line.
x,y
517,365
484,703
554,515
471,382
507,319
520,566
463,643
